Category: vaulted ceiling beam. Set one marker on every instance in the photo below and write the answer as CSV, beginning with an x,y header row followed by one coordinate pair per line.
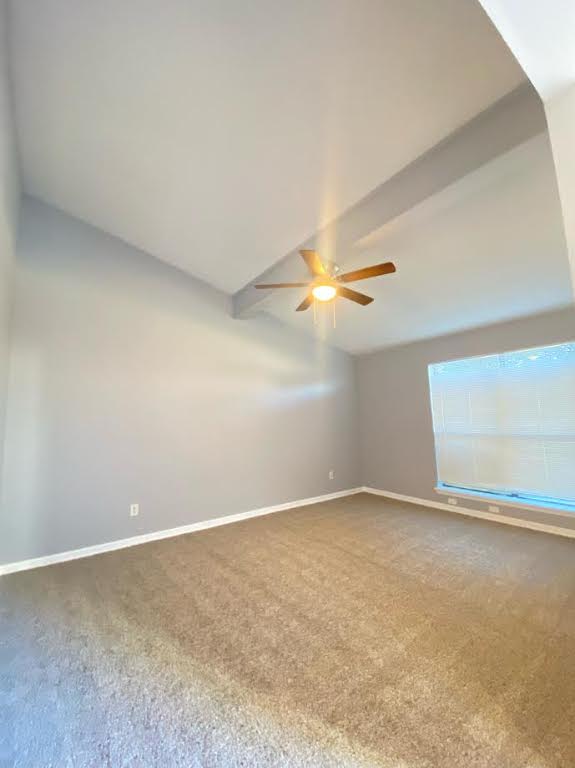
x,y
516,118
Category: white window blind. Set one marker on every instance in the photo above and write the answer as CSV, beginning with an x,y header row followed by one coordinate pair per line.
x,y
506,423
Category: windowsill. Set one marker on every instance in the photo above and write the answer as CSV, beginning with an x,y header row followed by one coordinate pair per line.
x,y
501,500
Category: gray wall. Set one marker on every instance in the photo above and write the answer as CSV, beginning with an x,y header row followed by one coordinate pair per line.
x,y
397,446
130,382
9,204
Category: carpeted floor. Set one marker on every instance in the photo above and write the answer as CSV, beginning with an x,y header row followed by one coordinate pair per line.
x,y
358,632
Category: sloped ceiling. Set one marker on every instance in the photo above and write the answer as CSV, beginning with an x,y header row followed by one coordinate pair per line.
x,y
490,247
541,37
218,135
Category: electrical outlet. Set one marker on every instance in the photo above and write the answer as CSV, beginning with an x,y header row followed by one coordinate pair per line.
x,y
452,501
493,508
332,474
134,510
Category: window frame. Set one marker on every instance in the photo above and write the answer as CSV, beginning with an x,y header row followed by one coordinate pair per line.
x,y
515,500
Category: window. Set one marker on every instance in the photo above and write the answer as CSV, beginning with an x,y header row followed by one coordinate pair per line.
x,y
505,424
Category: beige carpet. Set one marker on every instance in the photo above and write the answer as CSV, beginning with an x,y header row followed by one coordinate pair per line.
x,y
357,632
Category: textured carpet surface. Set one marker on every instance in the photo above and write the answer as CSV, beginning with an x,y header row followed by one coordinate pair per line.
x,y
354,633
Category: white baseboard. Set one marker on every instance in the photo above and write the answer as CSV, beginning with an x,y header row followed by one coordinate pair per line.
x,y
75,554
98,549
516,521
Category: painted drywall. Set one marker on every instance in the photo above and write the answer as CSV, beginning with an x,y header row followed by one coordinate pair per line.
x,y
130,382
540,36
236,127
397,446
560,113
452,164
9,205
467,256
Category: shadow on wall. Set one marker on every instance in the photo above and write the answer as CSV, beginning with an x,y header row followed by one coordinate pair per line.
x,y
131,382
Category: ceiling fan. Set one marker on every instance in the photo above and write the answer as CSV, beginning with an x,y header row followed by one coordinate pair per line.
x,y
326,284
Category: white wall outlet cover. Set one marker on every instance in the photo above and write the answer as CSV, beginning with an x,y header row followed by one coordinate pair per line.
x,y
493,508
331,474
452,501
134,510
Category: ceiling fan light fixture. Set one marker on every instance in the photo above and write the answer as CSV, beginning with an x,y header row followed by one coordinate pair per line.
x,y
327,283
323,292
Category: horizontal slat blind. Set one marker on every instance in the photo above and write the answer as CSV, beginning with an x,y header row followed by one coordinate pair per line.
x,y
506,423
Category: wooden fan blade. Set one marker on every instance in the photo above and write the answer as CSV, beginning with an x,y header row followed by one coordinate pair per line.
x,y
306,304
313,262
363,274
359,298
281,285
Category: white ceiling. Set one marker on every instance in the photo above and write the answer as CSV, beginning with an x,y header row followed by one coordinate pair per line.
x,y
541,35
490,247
218,135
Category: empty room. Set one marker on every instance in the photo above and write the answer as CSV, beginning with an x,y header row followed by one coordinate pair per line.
x,y
287,384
